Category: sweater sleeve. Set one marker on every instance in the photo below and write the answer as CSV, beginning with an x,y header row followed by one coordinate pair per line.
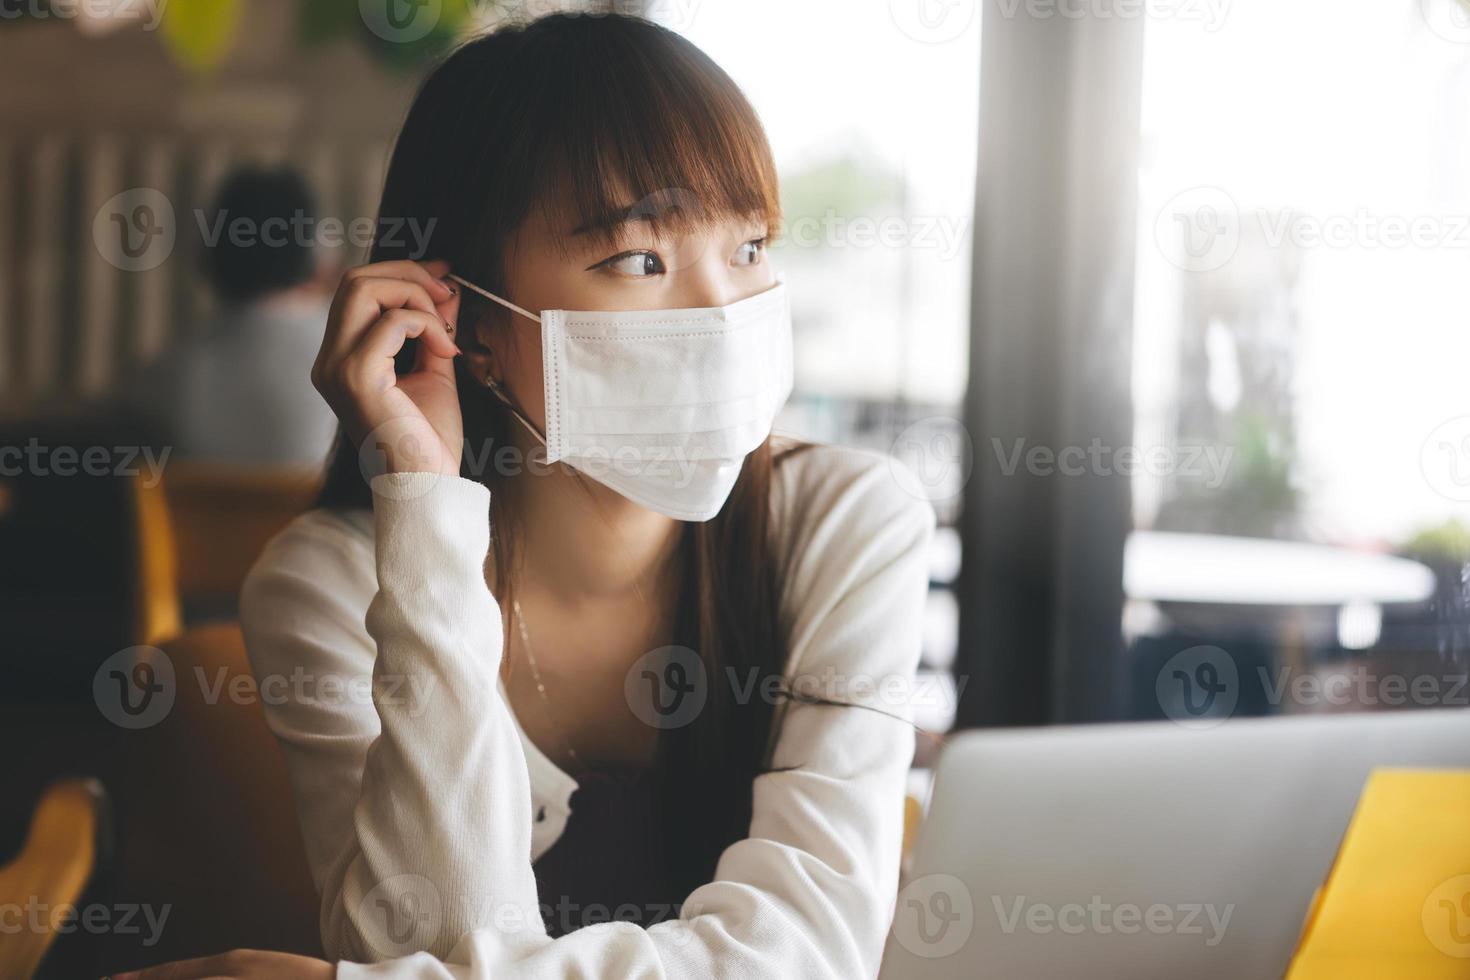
x,y
413,795
430,875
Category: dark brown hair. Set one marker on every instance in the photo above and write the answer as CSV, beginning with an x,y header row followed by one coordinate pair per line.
x,y
585,109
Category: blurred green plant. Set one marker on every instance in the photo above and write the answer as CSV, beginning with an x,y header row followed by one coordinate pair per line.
x,y
199,33
1259,497
321,22
847,185
1447,543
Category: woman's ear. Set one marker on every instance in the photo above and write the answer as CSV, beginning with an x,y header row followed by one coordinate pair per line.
x,y
485,334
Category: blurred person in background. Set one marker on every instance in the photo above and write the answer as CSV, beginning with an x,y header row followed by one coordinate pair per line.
x,y
238,390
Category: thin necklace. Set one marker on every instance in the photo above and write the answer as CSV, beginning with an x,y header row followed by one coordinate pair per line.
x,y
515,605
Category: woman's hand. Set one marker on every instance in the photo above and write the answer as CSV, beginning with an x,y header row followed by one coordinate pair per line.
x,y
242,964
413,419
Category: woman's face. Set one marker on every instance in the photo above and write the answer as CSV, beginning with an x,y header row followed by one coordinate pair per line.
x,y
713,264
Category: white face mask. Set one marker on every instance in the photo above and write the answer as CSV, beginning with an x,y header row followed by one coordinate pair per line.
x,y
662,406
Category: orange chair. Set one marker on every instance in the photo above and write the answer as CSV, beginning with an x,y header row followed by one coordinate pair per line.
x,y
207,826
220,518
68,836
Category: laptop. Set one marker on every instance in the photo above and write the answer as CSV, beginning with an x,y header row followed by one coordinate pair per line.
x,y
1139,851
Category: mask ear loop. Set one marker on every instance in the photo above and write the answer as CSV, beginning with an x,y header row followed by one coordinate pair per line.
x,y
493,298
496,388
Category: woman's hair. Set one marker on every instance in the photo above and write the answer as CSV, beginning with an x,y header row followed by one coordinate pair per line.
x,y
578,112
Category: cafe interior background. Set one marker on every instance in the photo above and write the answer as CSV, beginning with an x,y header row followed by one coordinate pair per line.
x,y
1162,306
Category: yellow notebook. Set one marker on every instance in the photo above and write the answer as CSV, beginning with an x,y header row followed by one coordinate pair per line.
x,y
1397,902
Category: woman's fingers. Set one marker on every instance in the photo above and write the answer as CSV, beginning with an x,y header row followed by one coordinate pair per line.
x,y
430,275
372,361
377,309
209,966
361,300
240,964
431,357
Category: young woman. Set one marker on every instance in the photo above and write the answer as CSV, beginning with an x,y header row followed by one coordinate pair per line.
x,y
637,666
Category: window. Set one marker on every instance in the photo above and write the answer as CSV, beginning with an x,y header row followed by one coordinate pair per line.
x,y
1302,500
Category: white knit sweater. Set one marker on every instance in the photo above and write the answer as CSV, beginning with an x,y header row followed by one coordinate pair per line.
x,y
423,804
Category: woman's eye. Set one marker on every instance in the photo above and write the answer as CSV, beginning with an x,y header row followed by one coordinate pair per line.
x,y
750,252
638,265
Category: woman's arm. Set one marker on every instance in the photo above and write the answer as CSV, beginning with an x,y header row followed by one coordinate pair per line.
x,y
415,802
435,852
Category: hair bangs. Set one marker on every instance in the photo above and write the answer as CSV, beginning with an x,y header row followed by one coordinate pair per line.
x,y
662,136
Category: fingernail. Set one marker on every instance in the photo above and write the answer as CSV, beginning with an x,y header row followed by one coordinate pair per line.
x,y
453,290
